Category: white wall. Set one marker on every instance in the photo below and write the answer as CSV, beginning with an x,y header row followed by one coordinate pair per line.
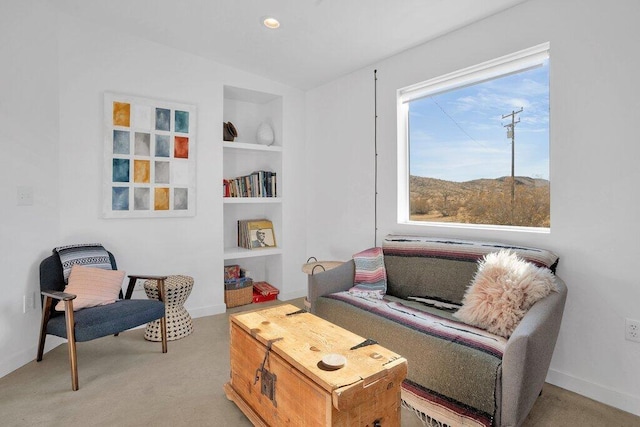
x,y
52,125
29,144
595,95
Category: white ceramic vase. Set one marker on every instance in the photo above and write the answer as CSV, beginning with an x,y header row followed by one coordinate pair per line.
x,y
264,134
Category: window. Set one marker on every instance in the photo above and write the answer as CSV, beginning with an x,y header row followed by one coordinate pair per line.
x,y
474,145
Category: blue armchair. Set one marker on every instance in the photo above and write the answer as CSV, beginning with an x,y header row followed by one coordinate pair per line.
x,y
93,322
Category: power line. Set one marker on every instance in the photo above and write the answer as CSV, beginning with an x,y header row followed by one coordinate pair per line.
x,y
456,123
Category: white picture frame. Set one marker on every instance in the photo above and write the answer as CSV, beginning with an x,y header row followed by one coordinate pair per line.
x,y
149,158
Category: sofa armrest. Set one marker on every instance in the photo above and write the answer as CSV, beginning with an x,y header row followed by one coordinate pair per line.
x,y
328,282
528,355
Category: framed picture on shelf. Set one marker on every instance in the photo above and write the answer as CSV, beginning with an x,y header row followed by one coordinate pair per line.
x,y
261,234
256,233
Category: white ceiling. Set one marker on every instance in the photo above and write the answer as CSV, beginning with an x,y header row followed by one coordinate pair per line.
x,y
318,40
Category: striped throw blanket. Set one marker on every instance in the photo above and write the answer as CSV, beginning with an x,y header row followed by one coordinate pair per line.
x,y
429,405
428,323
370,276
463,250
88,255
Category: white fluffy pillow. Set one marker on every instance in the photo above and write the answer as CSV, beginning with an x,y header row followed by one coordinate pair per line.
x,y
503,289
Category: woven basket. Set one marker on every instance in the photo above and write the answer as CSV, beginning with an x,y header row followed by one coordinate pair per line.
x,y
312,268
236,297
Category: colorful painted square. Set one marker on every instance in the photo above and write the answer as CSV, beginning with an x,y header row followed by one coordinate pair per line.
x,y
120,170
162,172
182,121
141,199
121,114
180,199
163,119
161,199
163,146
142,144
120,198
181,147
121,144
141,171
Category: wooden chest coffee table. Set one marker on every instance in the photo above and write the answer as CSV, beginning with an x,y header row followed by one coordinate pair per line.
x,y
278,376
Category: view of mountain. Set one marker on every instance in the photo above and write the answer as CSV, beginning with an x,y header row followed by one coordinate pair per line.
x,y
481,201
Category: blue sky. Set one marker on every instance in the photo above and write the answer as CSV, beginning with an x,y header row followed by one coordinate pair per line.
x,y
460,135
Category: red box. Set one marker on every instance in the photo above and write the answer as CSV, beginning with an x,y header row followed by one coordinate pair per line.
x,y
263,291
258,297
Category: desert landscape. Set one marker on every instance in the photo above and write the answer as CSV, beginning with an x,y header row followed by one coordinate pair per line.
x,y
481,201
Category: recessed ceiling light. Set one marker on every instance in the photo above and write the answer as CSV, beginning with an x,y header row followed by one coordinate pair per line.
x,y
271,23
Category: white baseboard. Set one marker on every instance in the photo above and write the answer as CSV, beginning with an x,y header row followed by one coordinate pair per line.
x,y
600,393
207,311
293,295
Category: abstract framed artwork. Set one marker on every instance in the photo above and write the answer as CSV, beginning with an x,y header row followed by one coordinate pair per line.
x,y
149,157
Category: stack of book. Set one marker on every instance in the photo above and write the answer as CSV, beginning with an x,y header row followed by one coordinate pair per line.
x,y
235,279
256,233
257,184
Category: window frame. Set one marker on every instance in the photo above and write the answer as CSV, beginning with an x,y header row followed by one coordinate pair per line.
x,y
509,64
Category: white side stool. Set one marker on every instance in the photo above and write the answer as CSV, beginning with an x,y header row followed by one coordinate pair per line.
x,y
179,324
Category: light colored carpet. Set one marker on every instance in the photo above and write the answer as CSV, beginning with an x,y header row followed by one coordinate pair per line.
x,y
127,381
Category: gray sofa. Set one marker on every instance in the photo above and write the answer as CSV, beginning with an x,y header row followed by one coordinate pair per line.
x,y
457,380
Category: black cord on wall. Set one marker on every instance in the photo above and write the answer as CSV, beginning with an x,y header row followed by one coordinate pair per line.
x,y
375,144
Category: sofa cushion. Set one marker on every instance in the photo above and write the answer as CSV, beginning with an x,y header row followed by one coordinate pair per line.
x,y
442,269
444,355
370,277
108,319
502,291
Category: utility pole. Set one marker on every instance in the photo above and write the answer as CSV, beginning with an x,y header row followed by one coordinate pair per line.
x,y
511,133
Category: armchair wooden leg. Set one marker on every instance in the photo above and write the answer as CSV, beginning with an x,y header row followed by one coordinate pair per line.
x,y
71,338
163,328
46,314
163,320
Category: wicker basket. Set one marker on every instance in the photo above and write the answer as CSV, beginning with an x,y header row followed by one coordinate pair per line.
x,y
236,297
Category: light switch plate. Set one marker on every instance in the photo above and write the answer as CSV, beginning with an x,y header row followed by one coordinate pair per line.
x,y
25,196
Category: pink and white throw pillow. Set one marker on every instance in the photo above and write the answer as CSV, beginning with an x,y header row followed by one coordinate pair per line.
x,y
371,276
92,287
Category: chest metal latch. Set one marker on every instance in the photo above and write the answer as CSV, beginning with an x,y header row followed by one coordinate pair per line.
x,y
267,379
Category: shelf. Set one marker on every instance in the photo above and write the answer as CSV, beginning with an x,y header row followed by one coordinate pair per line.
x,y
237,252
249,146
257,200
248,109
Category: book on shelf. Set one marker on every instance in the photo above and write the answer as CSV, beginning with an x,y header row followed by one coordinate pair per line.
x,y
257,184
256,233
